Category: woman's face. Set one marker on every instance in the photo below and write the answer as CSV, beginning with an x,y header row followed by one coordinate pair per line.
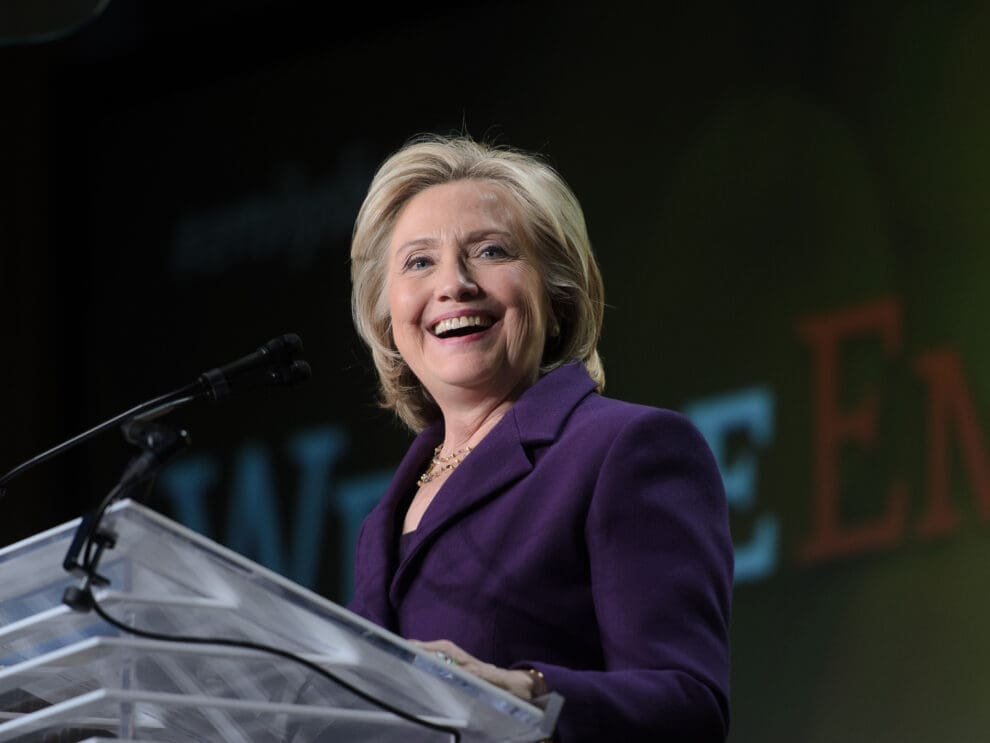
x,y
467,305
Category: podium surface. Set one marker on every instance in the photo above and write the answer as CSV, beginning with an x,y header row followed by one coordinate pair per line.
x,y
71,676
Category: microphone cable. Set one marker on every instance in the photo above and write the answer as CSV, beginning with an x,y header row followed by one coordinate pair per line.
x,y
83,598
90,599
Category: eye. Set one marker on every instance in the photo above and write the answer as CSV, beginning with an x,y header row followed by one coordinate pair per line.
x,y
416,263
493,250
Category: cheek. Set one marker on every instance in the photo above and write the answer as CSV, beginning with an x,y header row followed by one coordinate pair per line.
x,y
400,309
532,313
403,306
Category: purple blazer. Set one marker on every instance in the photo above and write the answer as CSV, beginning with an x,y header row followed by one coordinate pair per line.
x,y
585,537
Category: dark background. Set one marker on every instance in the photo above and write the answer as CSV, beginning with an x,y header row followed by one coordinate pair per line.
x,y
179,184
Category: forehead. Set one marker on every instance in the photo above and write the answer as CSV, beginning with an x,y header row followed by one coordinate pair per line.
x,y
453,210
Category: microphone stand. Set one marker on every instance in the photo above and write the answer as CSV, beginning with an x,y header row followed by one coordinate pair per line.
x,y
159,444
274,363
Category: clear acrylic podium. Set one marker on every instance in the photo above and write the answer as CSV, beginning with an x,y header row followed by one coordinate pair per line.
x,y
69,676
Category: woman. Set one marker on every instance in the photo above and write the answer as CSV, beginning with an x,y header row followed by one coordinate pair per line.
x,y
536,533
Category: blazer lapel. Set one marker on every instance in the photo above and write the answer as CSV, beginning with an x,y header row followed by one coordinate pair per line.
x,y
497,462
501,459
380,539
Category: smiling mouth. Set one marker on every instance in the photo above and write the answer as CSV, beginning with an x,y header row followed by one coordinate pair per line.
x,y
454,327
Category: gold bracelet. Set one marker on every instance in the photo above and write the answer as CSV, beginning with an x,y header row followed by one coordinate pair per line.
x,y
540,687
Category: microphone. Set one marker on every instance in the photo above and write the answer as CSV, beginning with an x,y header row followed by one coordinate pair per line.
x,y
275,363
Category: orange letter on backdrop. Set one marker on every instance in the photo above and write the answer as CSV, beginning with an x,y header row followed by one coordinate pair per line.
x,y
832,426
948,396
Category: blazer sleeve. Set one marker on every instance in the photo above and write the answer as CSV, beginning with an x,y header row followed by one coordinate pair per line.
x,y
661,578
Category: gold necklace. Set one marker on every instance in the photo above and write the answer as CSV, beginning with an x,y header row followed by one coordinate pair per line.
x,y
439,465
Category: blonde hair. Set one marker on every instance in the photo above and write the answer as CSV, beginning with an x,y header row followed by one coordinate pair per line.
x,y
556,237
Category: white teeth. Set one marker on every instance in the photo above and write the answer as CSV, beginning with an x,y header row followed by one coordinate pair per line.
x,y
454,323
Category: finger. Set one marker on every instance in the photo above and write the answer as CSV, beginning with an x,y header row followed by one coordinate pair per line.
x,y
444,646
446,652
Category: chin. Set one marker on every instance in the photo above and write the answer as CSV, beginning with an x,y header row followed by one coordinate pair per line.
x,y
468,378
471,374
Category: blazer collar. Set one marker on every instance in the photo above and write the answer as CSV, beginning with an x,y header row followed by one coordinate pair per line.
x,y
543,409
500,459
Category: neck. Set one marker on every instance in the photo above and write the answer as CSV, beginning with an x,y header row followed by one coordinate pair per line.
x,y
467,426
468,415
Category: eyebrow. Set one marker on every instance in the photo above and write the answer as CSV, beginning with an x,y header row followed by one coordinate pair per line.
x,y
471,237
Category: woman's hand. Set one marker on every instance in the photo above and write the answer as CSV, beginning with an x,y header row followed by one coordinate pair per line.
x,y
521,683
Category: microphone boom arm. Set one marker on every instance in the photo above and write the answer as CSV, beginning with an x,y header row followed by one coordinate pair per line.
x,y
145,411
276,362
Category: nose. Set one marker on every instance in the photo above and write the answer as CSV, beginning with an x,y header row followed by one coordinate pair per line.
x,y
455,281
